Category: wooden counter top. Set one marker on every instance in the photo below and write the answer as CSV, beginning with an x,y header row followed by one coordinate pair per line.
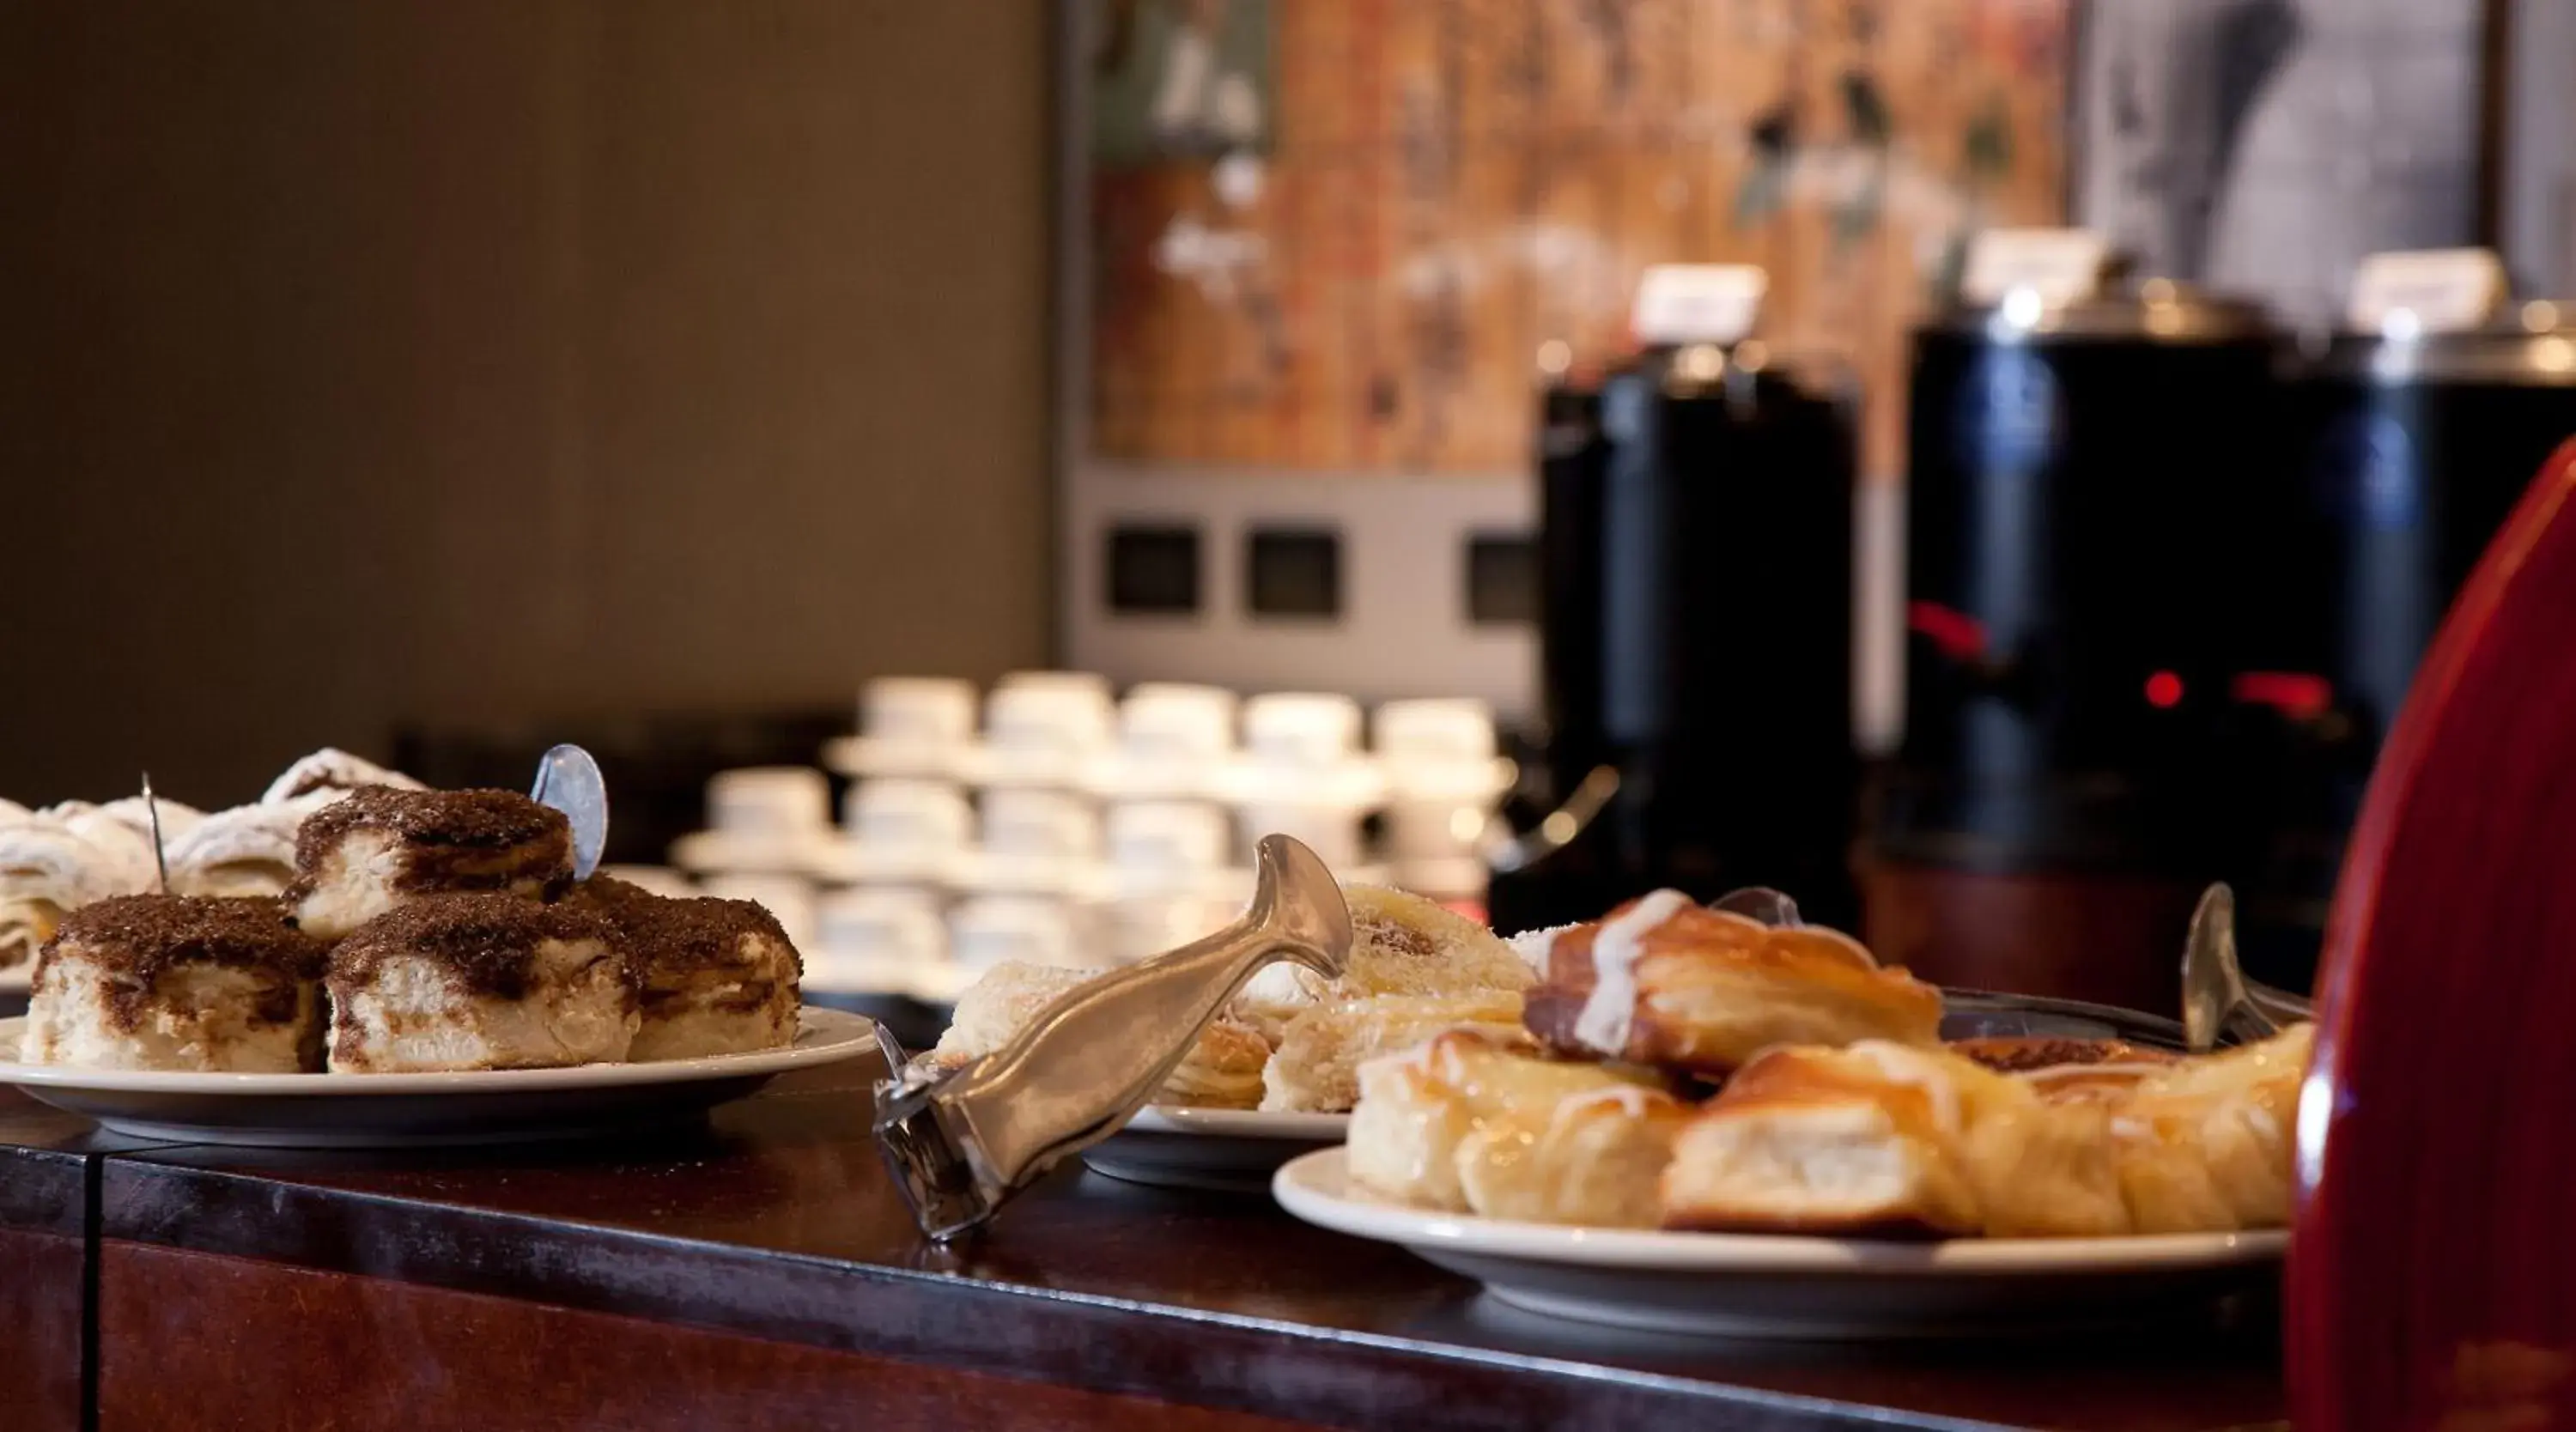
x,y
765,1267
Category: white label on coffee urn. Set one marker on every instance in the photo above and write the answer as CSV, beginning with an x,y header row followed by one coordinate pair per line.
x,y
1698,303
2426,291
2059,265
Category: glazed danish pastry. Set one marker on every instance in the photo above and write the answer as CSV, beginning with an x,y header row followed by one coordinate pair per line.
x,y
1222,1071
1881,1138
1853,1141
1888,1139
2208,1144
1477,1121
1664,982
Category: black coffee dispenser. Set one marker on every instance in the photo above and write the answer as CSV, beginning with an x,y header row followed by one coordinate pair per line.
x,y
1695,633
2096,526
2411,449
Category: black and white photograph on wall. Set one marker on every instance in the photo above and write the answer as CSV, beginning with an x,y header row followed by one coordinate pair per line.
x,y
2263,147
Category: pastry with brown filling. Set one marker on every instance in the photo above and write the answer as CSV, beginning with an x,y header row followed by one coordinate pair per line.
x,y
480,981
2025,1053
180,983
1401,944
378,846
1667,983
1476,1121
1221,1071
713,976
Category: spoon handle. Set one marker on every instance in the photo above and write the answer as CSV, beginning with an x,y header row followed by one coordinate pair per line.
x,y
2280,1004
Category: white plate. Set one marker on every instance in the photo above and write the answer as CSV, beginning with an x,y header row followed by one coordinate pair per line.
x,y
381,1110
1736,1285
1225,1150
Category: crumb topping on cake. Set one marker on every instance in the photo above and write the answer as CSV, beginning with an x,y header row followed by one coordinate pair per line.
x,y
481,820
670,939
487,942
137,938
452,840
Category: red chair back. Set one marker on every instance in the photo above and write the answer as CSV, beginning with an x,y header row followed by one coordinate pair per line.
x,y
2432,1278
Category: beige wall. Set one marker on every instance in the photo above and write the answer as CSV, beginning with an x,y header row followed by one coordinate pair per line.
x,y
364,360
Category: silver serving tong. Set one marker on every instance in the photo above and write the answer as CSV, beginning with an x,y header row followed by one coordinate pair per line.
x,y
2219,1004
569,780
961,1143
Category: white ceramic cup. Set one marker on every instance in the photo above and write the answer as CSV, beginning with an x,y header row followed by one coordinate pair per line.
x,y
1437,731
1178,837
901,814
1300,728
918,710
769,801
987,930
1044,733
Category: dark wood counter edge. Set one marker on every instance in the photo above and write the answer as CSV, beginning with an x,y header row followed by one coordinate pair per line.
x,y
50,1170
1288,1370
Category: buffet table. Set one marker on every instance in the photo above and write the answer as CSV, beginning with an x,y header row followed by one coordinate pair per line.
x,y
763,1269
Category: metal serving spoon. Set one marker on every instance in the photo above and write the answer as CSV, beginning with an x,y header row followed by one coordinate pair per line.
x,y
569,780
2218,1002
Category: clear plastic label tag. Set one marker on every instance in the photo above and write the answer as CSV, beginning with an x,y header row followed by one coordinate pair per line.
x,y
2060,265
1698,303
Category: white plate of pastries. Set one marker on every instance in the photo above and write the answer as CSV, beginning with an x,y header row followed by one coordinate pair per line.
x,y
1276,1075
406,965
1708,1124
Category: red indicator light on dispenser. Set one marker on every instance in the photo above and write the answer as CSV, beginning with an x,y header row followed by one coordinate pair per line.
x,y
2164,691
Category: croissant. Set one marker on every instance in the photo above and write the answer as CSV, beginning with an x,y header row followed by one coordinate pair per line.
x,y
1667,983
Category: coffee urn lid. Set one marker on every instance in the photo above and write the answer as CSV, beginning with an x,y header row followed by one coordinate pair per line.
x,y
2531,344
2149,310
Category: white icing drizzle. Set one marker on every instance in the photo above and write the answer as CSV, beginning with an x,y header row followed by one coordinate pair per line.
x,y
1611,1008
1534,946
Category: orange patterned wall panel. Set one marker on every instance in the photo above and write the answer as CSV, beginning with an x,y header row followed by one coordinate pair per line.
x,y
1437,187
